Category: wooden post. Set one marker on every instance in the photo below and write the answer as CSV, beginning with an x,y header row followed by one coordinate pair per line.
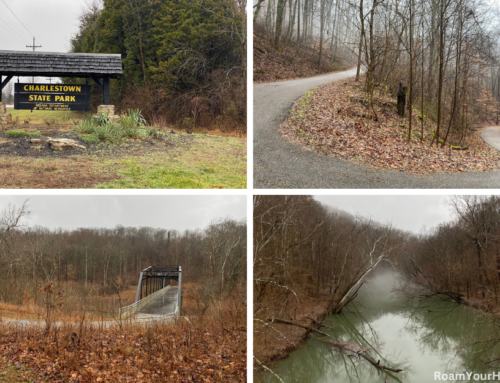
x,y
105,90
401,101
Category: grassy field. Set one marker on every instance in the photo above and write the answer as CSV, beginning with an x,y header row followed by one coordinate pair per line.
x,y
207,162
212,162
184,161
40,117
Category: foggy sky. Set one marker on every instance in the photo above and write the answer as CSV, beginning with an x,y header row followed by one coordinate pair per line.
x,y
167,212
52,22
411,213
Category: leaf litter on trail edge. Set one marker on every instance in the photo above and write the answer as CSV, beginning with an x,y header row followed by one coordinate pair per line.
x,y
335,120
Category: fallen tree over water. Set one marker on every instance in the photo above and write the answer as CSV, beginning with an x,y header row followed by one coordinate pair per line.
x,y
350,348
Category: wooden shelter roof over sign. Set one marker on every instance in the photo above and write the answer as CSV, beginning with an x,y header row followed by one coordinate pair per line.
x,y
15,63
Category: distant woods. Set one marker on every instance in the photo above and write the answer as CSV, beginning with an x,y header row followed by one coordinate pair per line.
x,y
444,53
460,258
214,257
302,249
321,28
184,62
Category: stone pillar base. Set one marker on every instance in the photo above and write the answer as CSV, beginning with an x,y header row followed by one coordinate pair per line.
x,y
5,119
109,110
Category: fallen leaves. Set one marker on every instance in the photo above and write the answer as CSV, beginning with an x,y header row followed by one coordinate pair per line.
x,y
286,63
335,120
175,353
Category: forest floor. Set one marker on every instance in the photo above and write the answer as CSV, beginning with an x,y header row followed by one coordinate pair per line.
x,y
271,64
209,348
176,160
151,352
335,120
274,344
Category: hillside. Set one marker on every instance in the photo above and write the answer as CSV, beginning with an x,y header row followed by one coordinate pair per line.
x,y
335,120
288,62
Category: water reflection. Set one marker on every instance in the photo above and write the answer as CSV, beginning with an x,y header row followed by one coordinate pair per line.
x,y
419,336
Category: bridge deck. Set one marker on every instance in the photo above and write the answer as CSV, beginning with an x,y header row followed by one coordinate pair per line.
x,y
163,304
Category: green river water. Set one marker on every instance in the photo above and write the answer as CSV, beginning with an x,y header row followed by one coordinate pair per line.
x,y
419,336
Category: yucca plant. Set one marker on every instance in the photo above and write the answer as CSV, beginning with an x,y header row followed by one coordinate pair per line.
x,y
136,116
102,119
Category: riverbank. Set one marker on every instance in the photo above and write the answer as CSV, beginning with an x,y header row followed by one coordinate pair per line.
x,y
416,337
275,341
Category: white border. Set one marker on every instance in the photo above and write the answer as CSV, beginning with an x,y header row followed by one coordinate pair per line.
x,y
250,191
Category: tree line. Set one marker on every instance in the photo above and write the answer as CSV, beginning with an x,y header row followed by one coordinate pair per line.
x,y
31,256
302,248
325,27
460,258
184,62
443,54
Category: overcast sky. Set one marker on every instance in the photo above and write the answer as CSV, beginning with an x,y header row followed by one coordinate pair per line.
x,y
168,212
410,213
51,22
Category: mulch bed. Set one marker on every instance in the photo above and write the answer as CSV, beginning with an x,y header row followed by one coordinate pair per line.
x,y
21,147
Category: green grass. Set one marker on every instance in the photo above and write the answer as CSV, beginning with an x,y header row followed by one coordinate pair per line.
x,y
89,138
40,116
211,162
21,133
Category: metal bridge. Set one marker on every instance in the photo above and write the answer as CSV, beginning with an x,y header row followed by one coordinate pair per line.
x,y
155,297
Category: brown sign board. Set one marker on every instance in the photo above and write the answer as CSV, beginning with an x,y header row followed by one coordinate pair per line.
x,y
59,97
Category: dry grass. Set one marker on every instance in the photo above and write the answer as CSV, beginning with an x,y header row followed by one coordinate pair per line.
x,y
206,162
97,303
11,374
34,173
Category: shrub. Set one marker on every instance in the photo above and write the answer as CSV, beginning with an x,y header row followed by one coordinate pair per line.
x,y
102,128
109,132
94,126
136,117
87,125
102,119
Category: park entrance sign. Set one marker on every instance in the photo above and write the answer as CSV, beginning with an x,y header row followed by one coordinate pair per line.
x,y
60,97
93,66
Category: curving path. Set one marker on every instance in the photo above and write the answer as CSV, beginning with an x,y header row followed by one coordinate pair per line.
x,y
280,164
159,309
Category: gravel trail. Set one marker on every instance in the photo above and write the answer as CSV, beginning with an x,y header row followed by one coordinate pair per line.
x,y
283,165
